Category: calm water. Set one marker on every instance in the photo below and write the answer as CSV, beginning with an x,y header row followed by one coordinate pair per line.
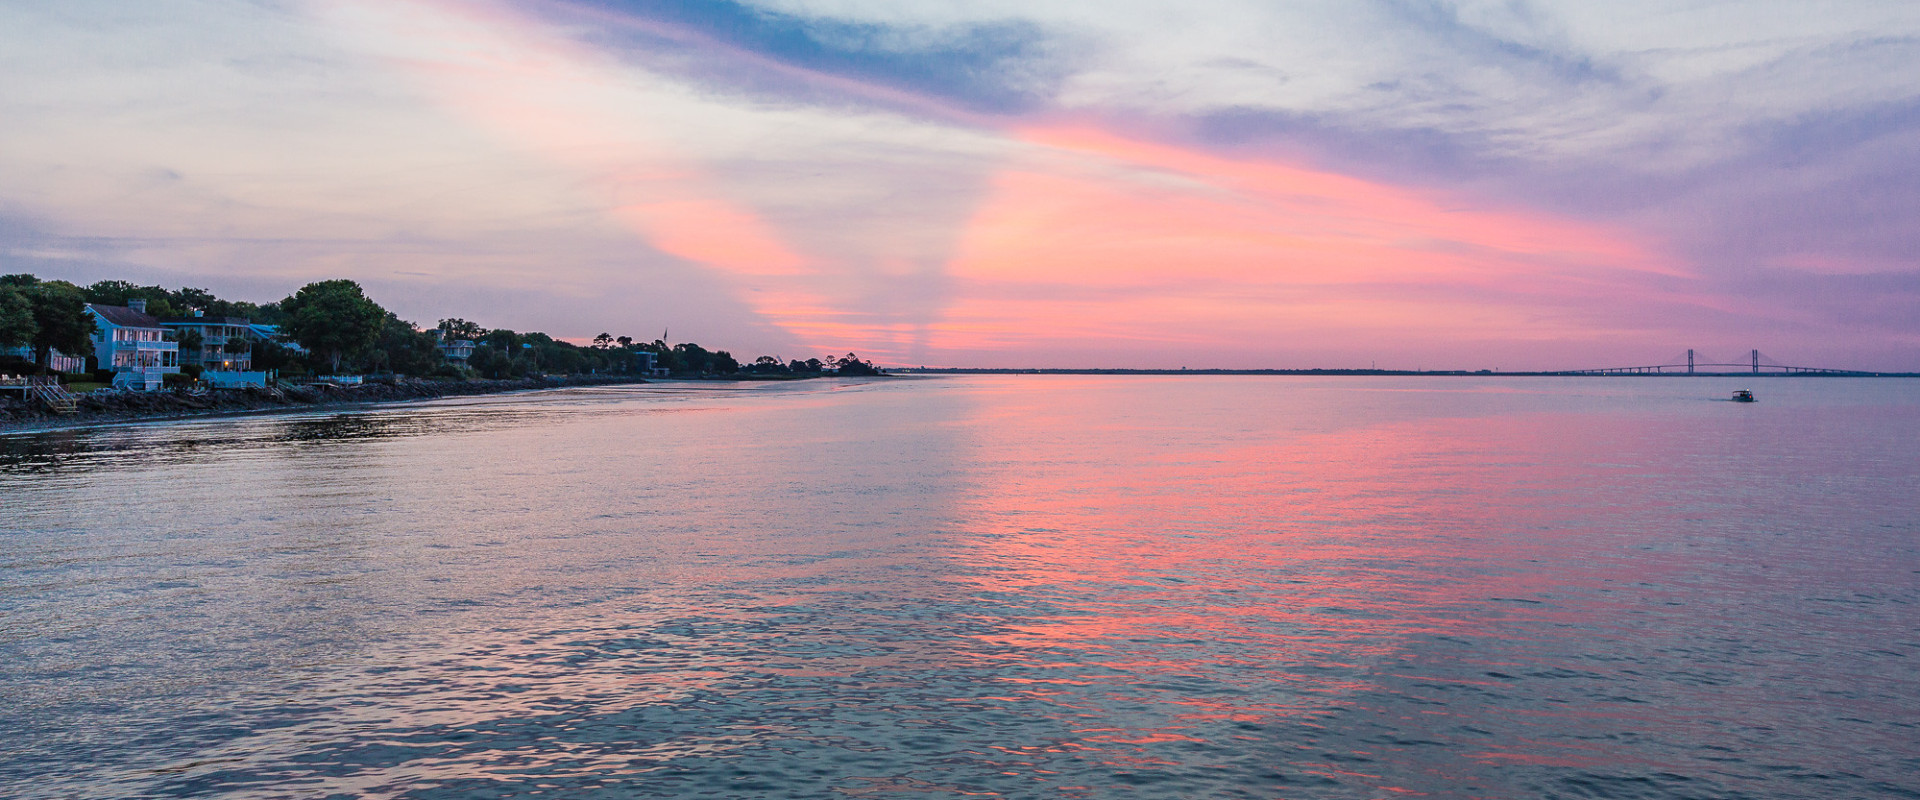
x,y
1046,587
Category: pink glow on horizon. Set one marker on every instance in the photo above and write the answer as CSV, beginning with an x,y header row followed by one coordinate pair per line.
x,y
1102,236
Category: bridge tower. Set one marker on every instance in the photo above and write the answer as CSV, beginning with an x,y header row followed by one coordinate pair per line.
x,y
1689,361
1756,362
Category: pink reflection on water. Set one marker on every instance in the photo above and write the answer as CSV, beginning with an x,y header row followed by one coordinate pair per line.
x,y
1310,563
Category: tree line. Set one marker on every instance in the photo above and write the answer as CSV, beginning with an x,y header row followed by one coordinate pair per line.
x,y
341,330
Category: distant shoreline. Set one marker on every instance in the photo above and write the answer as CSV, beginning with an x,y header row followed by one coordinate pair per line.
x,y
1391,372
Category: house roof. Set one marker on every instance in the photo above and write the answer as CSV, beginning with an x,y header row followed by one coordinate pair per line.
x,y
234,321
124,317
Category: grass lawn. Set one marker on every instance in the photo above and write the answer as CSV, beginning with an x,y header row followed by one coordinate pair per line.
x,y
85,386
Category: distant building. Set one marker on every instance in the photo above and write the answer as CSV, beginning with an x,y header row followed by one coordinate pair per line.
x,y
271,333
226,343
646,362
133,345
457,350
56,360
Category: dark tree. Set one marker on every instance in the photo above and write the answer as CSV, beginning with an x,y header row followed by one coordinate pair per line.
x,y
60,319
120,293
334,319
457,329
190,342
852,365
16,317
271,356
404,349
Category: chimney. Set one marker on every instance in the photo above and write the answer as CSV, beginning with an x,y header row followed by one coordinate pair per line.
x,y
138,305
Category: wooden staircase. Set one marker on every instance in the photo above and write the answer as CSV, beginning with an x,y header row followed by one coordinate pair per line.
x,y
47,389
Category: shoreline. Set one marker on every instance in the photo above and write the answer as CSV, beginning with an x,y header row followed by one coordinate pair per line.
x,y
1397,373
17,417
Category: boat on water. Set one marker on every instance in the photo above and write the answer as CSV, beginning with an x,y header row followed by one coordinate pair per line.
x,y
1742,396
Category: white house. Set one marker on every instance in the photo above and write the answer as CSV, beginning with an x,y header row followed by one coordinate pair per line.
x,y
133,345
457,350
56,360
225,342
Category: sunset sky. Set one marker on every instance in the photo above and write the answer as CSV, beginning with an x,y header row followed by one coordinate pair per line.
x,y
1509,184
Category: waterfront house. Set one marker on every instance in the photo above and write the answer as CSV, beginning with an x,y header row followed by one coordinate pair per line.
x,y
271,333
648,366
56,360
133,345
226,343
456,350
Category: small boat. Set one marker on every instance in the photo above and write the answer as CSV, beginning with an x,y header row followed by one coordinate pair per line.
x,y
1742,396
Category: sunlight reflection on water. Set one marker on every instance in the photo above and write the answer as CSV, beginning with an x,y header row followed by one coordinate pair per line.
x,y
1006,586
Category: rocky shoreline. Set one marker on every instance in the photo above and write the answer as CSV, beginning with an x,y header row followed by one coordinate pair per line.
x,y
123,406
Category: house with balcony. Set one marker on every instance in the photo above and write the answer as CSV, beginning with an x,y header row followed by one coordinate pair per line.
x,y
133,345
216,344
456,350
644,360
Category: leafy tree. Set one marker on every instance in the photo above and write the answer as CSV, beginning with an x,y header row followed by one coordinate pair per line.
x,y
560,357
60,320
111,293
190,343
460,329
402,348
270,355
187,299
851,364
16,317
120,293
334,319
626,342
693,359
502,338
265,313
490,362
603,341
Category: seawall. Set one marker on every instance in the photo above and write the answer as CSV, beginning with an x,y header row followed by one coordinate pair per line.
x,y
126,406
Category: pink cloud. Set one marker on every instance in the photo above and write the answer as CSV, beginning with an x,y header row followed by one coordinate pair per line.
x,y
1104,237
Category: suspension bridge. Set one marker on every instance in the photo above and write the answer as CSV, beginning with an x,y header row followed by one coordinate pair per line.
x,y
1757,363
